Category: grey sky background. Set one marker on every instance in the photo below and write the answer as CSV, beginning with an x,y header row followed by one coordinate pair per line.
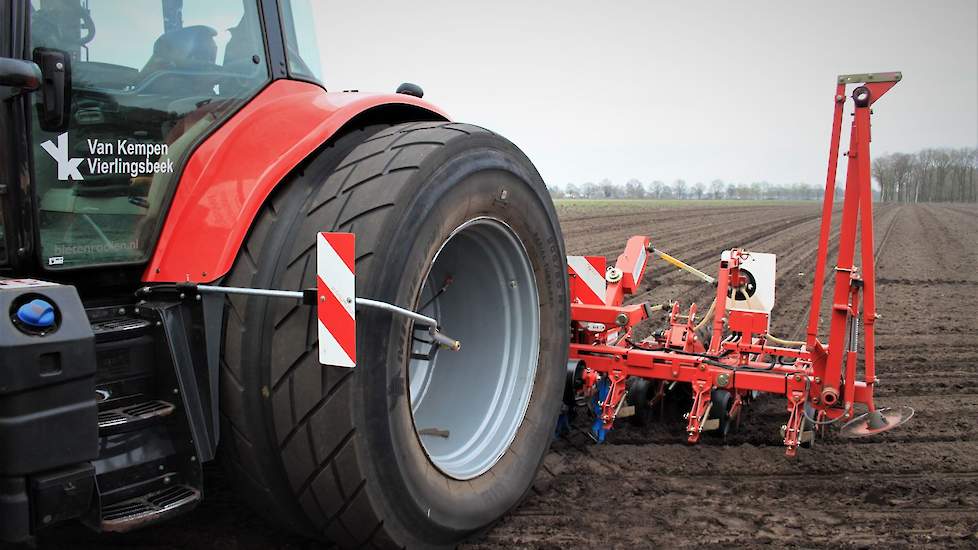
x,y
740,91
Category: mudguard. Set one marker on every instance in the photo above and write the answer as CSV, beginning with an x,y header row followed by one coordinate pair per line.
x,y
228,177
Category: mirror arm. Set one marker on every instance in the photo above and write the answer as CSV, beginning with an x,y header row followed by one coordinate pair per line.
x,y
19,74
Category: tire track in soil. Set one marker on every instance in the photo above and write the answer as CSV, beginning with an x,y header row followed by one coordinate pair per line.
x,y
917,485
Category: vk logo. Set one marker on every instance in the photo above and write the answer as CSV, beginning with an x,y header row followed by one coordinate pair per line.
x,y
67,167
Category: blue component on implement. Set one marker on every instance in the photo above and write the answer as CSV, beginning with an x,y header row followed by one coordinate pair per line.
x,y
37,313
598,431
563,422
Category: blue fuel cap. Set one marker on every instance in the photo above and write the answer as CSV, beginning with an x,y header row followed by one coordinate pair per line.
x,y
37,313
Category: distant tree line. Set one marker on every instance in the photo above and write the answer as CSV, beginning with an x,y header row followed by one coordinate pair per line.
x,y
679,189
929,175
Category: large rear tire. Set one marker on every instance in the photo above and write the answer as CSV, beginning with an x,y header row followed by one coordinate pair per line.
x,y
400,451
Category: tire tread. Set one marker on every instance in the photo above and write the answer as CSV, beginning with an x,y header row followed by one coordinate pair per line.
x,y
323,474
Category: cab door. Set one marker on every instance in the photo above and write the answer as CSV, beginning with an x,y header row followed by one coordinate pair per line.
x,y
130,88
15,233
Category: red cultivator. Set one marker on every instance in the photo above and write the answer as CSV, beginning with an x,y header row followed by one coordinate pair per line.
x,y
738,358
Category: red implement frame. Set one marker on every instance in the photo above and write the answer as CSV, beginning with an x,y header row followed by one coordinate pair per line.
x,y
818,380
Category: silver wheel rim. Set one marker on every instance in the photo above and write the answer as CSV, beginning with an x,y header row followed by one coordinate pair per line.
x,y
467,406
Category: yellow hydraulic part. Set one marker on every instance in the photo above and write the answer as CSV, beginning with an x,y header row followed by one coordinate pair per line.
x,y
684,266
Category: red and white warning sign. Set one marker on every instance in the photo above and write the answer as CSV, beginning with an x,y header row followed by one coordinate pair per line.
x,y
588,283
336,299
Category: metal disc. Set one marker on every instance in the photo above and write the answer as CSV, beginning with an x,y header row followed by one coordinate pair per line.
x,y
722,403
877,421
747,290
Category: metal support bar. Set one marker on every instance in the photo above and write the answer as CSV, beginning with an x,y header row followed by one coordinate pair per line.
x,y
826,225
866,78
423,319
432,324
268,293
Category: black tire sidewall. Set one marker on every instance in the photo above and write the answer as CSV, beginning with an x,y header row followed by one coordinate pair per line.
x,y
472,177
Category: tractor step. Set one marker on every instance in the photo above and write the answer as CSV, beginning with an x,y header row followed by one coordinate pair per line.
x,y
119,326
146,384
132,417
150,508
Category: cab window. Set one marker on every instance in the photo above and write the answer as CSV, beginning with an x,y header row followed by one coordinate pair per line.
x,y
303,22
149,79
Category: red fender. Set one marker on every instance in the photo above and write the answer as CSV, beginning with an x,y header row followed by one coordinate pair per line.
x,y
229,176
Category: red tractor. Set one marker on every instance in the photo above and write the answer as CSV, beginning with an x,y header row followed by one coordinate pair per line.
x,y
148,144
361,307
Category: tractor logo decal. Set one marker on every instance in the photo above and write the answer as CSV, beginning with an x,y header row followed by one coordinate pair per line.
x,y
120,156
67,167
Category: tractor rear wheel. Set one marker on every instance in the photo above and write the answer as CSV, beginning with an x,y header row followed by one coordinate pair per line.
x,y
403,450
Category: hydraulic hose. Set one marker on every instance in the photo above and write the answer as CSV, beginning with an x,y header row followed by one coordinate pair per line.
x,y
824,422
709,315
782,342
808,385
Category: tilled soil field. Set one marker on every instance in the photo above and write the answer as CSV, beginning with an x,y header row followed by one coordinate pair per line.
x,y
913,486
916,485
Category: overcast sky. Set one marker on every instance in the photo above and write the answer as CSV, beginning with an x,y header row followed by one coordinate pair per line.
x,y
740,91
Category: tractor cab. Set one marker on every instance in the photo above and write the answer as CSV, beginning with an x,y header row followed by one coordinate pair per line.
x,y
128,88
108,405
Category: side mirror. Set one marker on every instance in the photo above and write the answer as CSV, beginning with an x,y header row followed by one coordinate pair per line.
x,y
410,89
54,109
19,75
